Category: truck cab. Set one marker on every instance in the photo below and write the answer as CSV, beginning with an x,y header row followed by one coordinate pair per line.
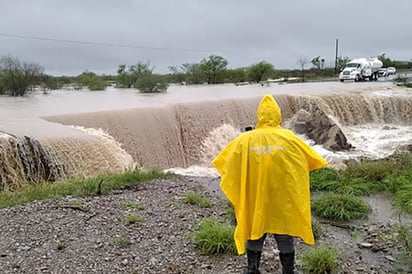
x,y
361,69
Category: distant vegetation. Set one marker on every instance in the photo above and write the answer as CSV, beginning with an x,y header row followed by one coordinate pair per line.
x,y
17,78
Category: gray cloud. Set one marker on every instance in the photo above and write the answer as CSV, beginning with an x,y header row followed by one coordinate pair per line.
x,y
186,31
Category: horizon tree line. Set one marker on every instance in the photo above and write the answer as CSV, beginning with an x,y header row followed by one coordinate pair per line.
x,y
17,78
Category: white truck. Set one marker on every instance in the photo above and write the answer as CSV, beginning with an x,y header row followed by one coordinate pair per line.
x,y
361,69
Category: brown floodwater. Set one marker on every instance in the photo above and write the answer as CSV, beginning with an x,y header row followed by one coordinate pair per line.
x,y
86,132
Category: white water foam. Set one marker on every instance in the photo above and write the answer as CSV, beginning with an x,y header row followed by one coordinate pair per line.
x,y
123,158
372,141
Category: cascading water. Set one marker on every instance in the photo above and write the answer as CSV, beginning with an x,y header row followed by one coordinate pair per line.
x,y
187,135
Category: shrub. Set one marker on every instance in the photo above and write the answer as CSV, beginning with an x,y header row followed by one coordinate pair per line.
x,y
320,260
340,207
213,237
151,83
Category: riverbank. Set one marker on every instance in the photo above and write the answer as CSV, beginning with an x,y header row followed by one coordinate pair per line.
x,y
95,234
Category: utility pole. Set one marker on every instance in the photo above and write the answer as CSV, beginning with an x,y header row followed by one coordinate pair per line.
x,y
336,56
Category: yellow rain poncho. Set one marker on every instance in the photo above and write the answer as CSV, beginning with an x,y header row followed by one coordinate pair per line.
x,y
265,175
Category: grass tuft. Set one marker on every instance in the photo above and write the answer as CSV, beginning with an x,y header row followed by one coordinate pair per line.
x,y
377,170
320,178
213,237
198,199
317,229
121,242
132,219
340,207
131,204
403,262
320,260
230,212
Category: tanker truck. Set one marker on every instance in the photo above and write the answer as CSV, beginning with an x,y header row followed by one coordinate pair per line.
x,y
361,69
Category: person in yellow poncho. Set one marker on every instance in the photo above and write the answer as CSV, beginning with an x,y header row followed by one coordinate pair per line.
x,y
265,175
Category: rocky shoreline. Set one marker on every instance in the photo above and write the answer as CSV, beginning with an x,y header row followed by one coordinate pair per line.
x,y
91,235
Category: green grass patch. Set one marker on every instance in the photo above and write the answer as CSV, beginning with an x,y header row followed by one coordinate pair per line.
x,y
355,186
230,212
213,237
181,215
340,207
403,198
321,177
132,218
131,204
377,170
317,230
121,242
403,262
78,187
320,260
76,204
195,198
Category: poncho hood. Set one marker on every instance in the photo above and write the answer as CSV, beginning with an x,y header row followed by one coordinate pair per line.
x,y
265,175
268,113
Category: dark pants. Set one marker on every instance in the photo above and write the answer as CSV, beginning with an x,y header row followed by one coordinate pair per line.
x,y
285,243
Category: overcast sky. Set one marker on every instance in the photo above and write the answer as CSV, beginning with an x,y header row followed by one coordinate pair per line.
x,y
68,37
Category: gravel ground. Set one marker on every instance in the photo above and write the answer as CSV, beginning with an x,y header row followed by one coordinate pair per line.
x,y
90,235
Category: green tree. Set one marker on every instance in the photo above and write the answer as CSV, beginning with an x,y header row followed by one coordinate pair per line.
x,y
141,76
194,73
342,61
91,80
123,79
237,75
214,68
260,71
317,62
17,77
177,76
387,62
150,83
2,81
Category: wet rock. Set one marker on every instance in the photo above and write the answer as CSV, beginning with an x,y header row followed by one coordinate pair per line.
x,y
321,129
365,245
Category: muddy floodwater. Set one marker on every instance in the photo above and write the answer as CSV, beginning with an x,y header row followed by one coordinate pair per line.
x,y
184,128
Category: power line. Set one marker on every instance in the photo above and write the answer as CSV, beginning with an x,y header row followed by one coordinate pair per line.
x,y
104,44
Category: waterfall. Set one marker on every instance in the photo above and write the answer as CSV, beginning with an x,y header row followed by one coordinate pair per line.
x,y
173,135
